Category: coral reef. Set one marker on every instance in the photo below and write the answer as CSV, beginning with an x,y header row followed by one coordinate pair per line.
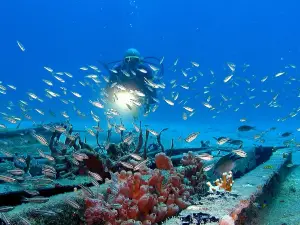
x,y
140,195
144,197
224,183
193,174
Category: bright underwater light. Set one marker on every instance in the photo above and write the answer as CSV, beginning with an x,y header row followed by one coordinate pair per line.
x,y
123,99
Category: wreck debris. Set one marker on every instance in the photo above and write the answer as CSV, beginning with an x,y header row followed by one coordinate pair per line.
x,y
159,139
140,140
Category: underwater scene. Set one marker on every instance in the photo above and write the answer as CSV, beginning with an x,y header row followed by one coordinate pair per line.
x,y
131,112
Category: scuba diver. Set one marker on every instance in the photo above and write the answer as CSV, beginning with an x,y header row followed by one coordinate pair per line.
x,y
131,73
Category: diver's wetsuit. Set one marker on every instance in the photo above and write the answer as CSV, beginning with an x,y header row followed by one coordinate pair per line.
x,y
133,82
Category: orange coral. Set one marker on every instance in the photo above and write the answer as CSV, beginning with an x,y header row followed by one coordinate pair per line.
x,y
225,183
163,162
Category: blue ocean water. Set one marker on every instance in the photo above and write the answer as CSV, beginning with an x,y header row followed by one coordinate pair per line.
x,y
67,35
259,38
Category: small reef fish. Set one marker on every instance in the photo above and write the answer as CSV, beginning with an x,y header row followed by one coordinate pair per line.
x,y
128,139
184,116
195,64
140,165
40,112
189,109
91,132
96,176
97,104
222,140
94,182
154,133
207,105
59,79
17,172
43,155
48,69
240,152
7,154
87,191
6,208
21,46
231,66
48,82
268,167
68,74
80,156
72,203
286,134
136,157
76,94
142,70
60,129
154,68
43,212
12,87
205,156
2,126
279,74
127,165
264,79
8,179
169,101
192,137
10,119
36,199
208,168
245,128
226,163
40,139
228,78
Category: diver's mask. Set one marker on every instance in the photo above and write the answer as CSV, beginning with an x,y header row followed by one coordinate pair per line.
x,y
132,60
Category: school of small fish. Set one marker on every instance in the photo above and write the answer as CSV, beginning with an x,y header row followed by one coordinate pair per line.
x,y
185,93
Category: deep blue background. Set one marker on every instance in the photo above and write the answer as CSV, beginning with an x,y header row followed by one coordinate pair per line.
x,y
66,35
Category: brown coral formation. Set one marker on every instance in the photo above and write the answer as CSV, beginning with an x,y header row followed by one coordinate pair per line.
x,y
192,171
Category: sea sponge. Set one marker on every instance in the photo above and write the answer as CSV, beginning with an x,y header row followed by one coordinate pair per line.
x,y
140,200
181,203
151,218
173,209
161,212
189,159
132,212
192,173
163,162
